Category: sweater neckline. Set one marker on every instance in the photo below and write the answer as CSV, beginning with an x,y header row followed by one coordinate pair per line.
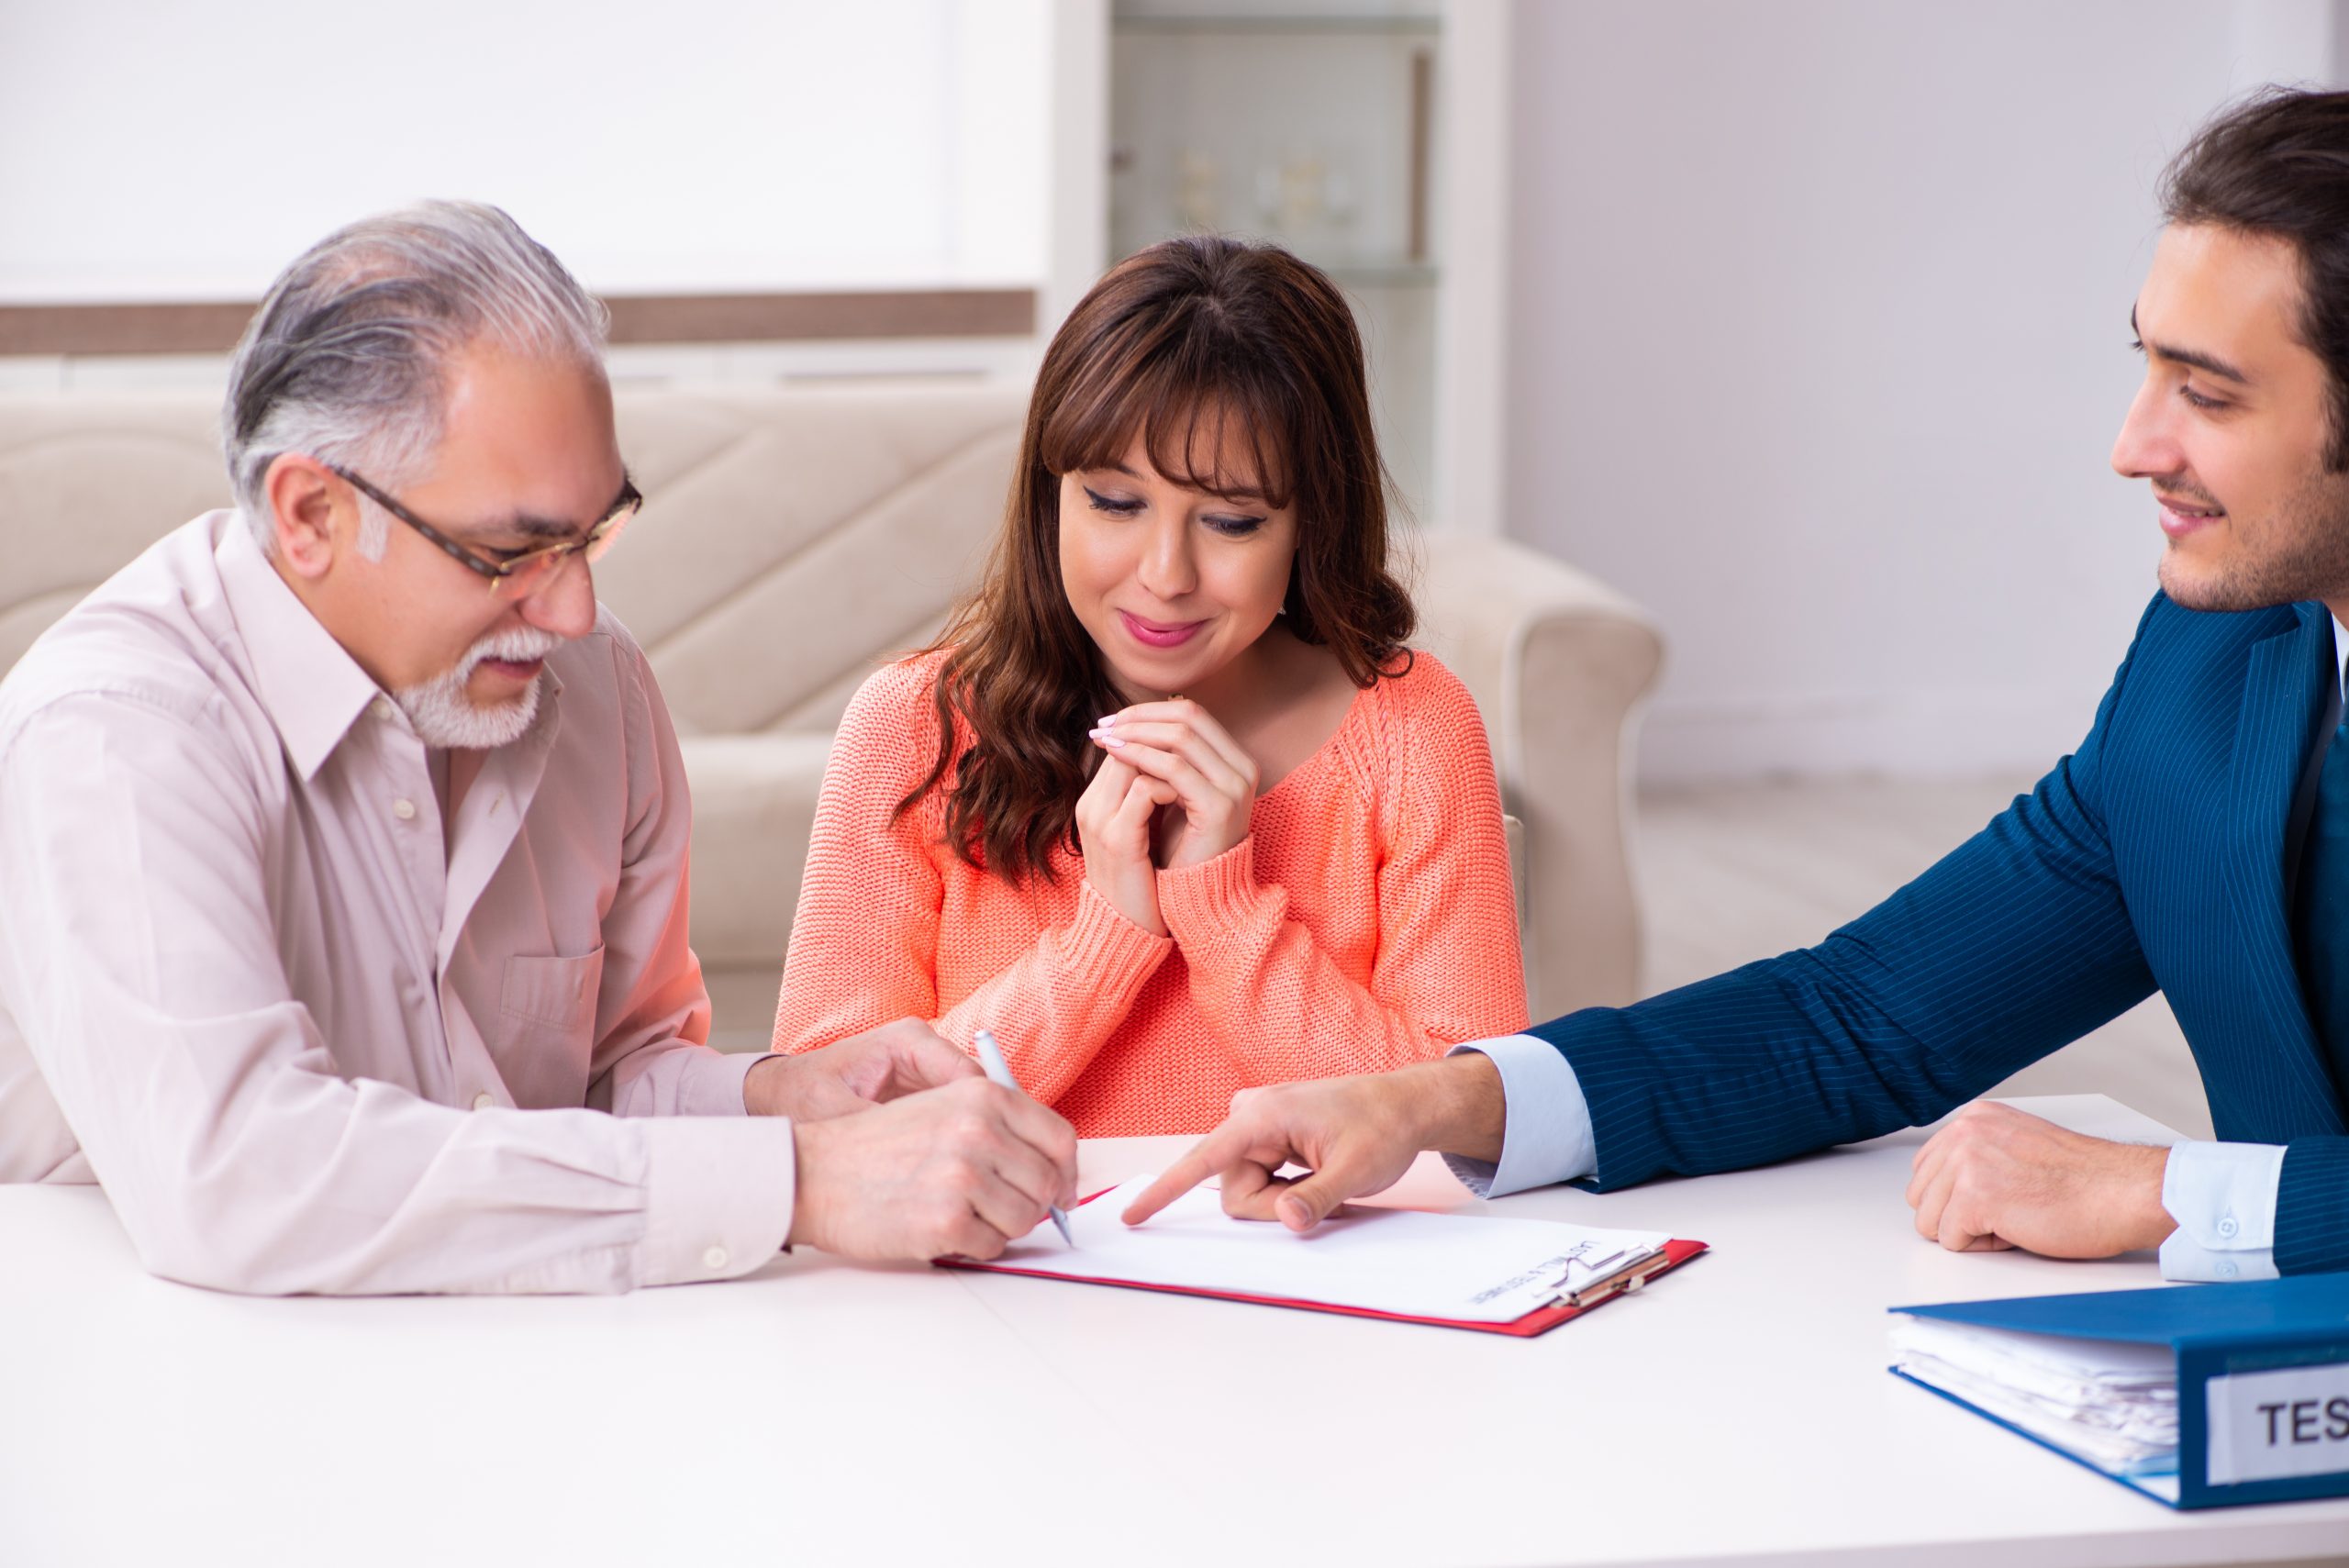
x,y
1318,759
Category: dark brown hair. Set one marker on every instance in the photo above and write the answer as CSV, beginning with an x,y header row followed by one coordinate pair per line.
x,y
1176,345
2278,163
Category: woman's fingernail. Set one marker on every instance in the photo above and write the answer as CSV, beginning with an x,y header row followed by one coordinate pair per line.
x,y
1106,738
1108,723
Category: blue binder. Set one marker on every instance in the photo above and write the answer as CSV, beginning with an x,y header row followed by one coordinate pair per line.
x,y
2242,1351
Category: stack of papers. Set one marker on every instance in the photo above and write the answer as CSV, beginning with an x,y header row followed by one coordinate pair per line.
x,y
2201,1397
1393,1262
2107,1403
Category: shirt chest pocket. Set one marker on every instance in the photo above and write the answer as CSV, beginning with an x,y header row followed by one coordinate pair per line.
x,y
547,1024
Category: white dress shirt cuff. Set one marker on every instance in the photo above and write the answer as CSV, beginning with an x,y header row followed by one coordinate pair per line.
x,y
717,1196
2223,1197
1545,1130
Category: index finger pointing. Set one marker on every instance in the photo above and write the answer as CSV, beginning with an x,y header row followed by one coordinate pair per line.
x,y
1205,1157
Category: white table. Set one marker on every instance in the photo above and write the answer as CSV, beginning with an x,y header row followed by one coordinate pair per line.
x,y
1738,1411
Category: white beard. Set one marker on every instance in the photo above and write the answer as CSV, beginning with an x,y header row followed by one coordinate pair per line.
x,y
445,716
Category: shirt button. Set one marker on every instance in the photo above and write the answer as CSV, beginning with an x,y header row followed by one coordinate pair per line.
x,y
714,1258
2227,1226
403,808
484,1100
381,710
2227,1271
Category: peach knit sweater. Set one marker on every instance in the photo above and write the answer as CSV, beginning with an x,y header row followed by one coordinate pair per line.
x,y
1367,921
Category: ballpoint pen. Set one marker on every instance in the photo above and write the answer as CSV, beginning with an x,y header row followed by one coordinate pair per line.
x,y
998,1070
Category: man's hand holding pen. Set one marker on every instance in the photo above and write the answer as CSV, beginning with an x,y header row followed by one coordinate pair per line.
x,y
964,1169
905,1151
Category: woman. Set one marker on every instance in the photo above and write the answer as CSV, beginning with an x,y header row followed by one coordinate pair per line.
x,y
1169,807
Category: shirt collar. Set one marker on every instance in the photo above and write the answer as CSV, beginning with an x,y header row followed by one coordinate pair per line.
x,y
313,689
2340,650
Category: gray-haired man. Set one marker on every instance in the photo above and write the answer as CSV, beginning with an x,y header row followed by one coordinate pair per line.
x,y
343,843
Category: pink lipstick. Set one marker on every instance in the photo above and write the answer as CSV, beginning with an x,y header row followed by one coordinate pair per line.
x,y
1155,634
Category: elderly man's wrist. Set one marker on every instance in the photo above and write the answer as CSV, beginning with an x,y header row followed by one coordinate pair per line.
x,y
762,1086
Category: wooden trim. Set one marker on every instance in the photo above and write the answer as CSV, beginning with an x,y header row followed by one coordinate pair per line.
x,y
121,328
212,328
791,317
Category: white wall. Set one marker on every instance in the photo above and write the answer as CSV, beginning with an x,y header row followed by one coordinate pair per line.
x,y
155,149
1819,317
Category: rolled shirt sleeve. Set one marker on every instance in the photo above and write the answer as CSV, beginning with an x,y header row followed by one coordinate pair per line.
x,y
1547,1131
2223,1197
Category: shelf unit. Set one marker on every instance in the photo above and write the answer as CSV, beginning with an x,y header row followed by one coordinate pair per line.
x,y
1365,137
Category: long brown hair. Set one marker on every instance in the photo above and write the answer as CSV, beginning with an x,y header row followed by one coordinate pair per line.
x,y
1177,344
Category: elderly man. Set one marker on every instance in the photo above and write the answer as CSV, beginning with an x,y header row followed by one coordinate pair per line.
x,y
342,856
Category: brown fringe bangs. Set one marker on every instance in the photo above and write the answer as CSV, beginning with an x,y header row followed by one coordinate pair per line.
x,y
1180,344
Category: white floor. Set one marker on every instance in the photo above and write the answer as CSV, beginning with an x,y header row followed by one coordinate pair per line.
x,y
1728,873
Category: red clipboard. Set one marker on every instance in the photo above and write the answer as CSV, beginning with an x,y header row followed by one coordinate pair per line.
x,y
1538,1321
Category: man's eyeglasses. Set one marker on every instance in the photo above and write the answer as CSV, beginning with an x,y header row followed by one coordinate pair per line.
x,y
518,575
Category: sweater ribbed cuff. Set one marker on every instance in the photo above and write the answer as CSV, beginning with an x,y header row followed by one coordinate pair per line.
x,y
1107,953
1203,903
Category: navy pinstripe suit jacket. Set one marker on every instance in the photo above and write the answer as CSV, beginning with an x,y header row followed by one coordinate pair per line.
x,y
2158,854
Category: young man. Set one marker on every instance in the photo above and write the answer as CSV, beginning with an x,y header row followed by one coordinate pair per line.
x,y
2198,842
343,853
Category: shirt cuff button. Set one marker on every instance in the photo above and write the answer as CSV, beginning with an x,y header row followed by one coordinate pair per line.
x,y
484,1100
715,1258
2228,1227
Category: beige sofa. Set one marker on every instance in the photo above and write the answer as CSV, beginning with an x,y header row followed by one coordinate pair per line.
x,y
796,537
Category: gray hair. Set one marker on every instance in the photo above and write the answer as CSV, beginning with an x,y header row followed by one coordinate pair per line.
x,y
346,358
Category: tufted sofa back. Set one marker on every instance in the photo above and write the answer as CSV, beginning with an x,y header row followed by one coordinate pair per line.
x,y
796,537
791,536
87,484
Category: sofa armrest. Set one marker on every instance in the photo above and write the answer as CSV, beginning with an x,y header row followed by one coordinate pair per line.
x,y
1558,664
754,805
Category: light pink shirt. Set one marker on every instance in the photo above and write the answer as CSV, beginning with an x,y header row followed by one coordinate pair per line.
x,y
306,1037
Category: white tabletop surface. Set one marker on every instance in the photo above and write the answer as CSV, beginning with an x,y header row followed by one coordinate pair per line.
x,y
1739,1411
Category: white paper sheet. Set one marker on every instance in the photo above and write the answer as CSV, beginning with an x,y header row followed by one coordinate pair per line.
x,y
1416,1266
2111,1402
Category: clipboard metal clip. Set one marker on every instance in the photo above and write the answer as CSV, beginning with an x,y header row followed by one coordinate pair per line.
x,y
1637,1270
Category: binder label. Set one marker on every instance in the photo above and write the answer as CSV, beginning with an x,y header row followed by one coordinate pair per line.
x,y
2279,1424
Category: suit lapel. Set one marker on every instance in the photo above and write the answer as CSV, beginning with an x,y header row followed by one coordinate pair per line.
x,y
2284,698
